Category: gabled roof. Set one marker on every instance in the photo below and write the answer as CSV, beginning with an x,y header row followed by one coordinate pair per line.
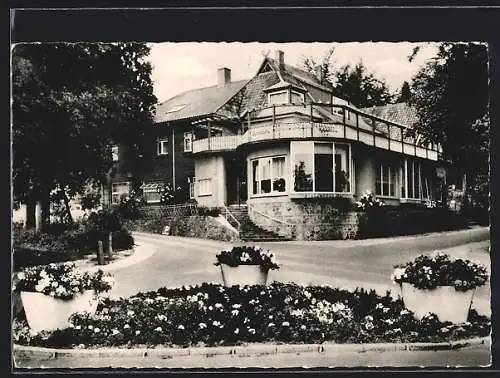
x,y
197,102
400,113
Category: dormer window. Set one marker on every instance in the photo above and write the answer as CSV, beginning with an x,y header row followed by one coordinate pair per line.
x,y
285,93
278,98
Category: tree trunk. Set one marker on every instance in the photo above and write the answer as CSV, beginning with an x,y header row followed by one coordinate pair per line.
x,y
68,208
38,216
30,217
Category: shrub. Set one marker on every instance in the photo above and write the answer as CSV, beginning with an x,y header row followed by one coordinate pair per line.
x,y
247,255
209,211
99,225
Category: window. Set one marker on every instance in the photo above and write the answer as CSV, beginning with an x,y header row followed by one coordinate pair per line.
x,y
386,180
268,175
191,181
151,192
322,167
188,142
204,187
119,190
417,180
162,146
296,97
114,153
278,98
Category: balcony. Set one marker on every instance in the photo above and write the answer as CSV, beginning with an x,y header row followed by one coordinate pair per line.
x,y
352,125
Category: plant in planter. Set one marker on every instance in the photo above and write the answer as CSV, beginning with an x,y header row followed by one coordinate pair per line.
x,y
368,201
51,293
245,265
440,284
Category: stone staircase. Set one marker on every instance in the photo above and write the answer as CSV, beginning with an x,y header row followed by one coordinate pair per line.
x,y
249,231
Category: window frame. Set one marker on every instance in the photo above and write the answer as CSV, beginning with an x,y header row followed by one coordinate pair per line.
x,y
348,163
271,177
423,181
115,153
162,146
392,175
285,91
119,193
190,139
200,187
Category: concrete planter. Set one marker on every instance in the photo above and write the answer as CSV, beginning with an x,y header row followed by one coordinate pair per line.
x,y
444,301
46,313
243,275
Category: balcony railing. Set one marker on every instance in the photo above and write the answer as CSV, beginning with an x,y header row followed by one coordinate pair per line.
x,y
352,125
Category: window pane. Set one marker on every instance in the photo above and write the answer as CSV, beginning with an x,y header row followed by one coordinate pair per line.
x,y
297,98
403,181
303,166
255,175
323,166
410,179
385,180
278,98
279,174
416,180
342,168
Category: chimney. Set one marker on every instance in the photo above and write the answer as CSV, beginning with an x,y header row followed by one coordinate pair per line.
x,y
223,76
279,57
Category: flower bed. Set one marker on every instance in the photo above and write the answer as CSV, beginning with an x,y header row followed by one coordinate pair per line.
x,y
210,315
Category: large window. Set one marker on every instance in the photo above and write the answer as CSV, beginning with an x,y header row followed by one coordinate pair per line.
x,y
321,167
162,146
151,192
296,98
204,187
188,141
119,190
386,180
268,175
417,180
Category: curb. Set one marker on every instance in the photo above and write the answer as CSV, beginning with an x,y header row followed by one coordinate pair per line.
x,y
251,350
142,251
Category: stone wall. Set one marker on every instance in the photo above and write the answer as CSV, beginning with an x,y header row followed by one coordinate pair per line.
x,y
314,219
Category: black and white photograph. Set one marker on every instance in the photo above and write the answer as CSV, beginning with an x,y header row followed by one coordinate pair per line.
x,y
184,205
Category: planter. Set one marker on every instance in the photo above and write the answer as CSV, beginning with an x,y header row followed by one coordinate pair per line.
x,y
444,301
243,275
46,313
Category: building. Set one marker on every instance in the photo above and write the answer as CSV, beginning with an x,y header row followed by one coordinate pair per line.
x,y
285,146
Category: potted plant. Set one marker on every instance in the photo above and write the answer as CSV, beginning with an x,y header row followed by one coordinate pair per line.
x,y
245,265
51,293
439,284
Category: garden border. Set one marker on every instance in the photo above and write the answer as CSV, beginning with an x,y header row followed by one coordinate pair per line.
x,y
243,351
142,251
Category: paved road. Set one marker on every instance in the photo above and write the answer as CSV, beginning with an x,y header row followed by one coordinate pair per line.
x,y
187,261
474,356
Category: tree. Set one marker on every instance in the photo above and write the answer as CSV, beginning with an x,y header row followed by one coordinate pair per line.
x,y
323,69
450,93
405,93
361,88
71,102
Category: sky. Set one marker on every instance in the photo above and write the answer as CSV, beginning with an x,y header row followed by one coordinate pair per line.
x,y
178,67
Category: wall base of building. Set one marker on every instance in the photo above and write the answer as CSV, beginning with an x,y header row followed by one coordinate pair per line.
x,y
312,219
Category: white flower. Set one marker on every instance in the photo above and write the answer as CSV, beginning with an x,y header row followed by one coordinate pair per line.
x,y
236,305
137,332
78,327
303,327
271,325
216,323
116,332
130,312
158,329
21,276
90,326
236,331
404,311
202,325
235,312
96,330
252,331
218,305
126,326
180,326
285,324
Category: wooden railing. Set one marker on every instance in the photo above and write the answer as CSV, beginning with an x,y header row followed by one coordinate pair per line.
x,y
352,125
275,223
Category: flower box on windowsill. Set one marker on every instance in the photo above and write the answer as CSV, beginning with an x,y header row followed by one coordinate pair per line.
x,y
243,275
46,313
446,302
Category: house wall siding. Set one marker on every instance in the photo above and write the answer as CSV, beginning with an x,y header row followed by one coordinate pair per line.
x,y
211,167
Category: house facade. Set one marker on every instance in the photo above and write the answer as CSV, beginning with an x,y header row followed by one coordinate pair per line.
x,y
282,144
